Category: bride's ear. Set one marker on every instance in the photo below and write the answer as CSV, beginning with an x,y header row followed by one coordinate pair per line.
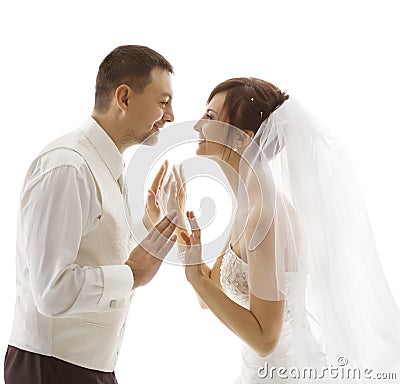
x,y
244,138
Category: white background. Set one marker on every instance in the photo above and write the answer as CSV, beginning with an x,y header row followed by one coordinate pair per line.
x,y
340,58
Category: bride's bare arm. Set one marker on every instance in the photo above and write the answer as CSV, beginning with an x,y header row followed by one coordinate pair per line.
x,y
259,327
214,274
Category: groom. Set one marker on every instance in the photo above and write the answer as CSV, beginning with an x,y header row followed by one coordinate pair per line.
x,y
77,264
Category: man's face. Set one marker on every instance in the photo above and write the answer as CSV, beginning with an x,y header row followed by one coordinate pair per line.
x,y
150,110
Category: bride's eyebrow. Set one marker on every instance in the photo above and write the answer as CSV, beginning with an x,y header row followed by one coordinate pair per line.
x,y
211,110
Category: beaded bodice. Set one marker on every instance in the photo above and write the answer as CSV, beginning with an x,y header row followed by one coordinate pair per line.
x,y
234,281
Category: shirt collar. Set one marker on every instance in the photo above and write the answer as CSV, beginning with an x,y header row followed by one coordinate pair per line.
x,y
105,147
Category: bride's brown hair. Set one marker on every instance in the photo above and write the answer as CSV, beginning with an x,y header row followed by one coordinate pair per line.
x,y
249,101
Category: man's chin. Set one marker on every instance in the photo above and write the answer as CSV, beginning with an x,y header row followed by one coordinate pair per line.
x,y
151,140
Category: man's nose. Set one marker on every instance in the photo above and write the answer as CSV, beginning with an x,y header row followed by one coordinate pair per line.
x,y
169,115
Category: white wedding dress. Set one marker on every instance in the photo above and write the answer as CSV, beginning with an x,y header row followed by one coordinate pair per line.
x,y
256,369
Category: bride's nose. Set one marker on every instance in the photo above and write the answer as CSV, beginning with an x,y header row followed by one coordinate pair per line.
x,y
197,126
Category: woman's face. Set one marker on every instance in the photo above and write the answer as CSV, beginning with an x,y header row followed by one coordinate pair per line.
x,y
212,129
217,136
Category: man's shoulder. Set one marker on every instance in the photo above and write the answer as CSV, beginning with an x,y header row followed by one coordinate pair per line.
x,y
61,156
61,152
69,140
59,163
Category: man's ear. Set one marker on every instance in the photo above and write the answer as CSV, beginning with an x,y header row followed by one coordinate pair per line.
x,y
122,94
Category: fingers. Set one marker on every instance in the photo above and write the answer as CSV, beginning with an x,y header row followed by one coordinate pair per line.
x,y
161,238
167,247
165,164
167,185
194,226
182,176
151,199
164,229
185,237
158,180
173,188
163,195
179,177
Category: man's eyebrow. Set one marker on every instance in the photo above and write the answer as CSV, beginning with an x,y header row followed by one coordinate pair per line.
x,y
166,94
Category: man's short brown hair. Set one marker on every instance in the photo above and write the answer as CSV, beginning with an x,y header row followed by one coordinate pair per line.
x,y
127,64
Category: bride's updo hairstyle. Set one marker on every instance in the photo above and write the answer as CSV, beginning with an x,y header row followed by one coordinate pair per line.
x,y
249,101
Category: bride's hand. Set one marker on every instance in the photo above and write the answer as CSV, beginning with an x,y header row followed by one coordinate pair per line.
x,y
193,249
176,185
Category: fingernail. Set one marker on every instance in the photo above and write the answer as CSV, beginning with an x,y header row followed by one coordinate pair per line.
x,y
172,214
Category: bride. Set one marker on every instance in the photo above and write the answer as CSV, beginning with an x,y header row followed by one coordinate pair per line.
x,y
299,282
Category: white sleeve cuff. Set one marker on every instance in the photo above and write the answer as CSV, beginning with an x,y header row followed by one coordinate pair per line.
x,y
117,287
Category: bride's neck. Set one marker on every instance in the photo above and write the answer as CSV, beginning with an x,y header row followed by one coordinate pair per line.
x,y
231,171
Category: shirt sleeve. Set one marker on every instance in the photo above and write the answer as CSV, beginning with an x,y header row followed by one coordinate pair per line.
x,y
57,208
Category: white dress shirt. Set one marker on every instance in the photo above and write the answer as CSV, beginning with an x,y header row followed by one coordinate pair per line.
x,y
73,288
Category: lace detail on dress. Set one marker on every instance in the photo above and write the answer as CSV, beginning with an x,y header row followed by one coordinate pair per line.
x,y
234,276
295,330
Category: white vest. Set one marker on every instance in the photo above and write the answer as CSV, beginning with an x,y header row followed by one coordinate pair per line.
x,y
93,340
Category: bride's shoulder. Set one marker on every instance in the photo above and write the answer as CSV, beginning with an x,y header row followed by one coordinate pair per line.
x,y
261,215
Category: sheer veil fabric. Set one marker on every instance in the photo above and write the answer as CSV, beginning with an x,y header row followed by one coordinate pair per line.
x,y
298,181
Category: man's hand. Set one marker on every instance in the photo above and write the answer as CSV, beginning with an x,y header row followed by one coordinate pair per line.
x,y
146,258
154,204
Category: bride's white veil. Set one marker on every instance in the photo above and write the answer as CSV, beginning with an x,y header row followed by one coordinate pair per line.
x,y
324,260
